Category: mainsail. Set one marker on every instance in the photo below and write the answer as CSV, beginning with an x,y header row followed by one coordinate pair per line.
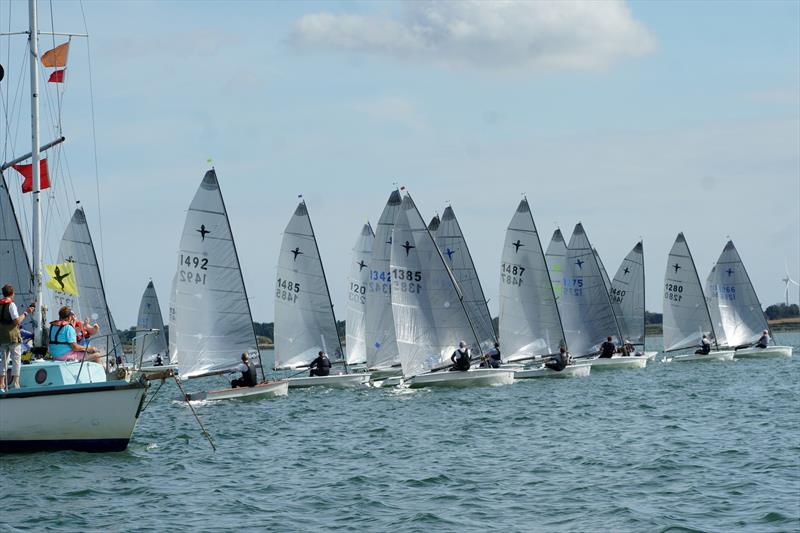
x,y
14,266
603,273
77,248
380,337
529,319
733,295
453,246
304,319
433,225
713,308
686,317
584,304
212,323
356,322
556,257
148,345
429,318
627,296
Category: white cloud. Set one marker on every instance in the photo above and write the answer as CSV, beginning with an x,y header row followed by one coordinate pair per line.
x,y
487,34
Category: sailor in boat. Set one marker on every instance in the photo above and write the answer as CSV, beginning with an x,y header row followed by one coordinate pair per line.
x,y
10,336
560,361
158,360
493,357
763,341
63,340
607,349
705,346
460,358
249,377
321,366
628,349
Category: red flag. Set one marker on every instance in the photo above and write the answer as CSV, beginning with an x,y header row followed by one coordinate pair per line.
x,y
57,76
27,171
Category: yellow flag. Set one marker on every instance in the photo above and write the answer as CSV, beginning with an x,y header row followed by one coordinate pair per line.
x,y
62,278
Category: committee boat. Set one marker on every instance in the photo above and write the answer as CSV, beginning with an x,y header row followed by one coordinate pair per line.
x,y
736,309
211,325
428,309
305,323
686,315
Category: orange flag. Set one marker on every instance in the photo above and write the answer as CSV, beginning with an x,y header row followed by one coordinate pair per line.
x,y
57,57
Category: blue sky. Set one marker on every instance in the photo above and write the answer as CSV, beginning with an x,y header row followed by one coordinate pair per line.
x,y
638,119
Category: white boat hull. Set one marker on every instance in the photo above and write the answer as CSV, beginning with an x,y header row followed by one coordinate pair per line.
x,y
571,371
633,361
271,389
95,417
383,373
758,353
387,382
473,378
340,381
651,356
712,356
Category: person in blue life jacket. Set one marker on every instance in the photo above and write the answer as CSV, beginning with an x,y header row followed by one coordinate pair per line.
x,y
321,366
559,361
249,377
460,358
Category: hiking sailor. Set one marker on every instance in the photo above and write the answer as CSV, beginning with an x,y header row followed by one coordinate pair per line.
x,y
559,361
460,358
607,349
249,377
321,366
763,341
705,346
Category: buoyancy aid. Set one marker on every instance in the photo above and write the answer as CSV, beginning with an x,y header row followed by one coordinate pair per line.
x,y
250,377
9,329
55,330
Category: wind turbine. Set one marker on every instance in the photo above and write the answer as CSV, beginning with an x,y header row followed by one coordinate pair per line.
x,y
788,280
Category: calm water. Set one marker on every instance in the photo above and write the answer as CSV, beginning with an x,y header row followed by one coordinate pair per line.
x,y
679,447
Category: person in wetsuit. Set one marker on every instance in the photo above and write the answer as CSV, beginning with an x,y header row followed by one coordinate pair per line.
x,y
558,362
493,358
763,341
460,358
607,349
705,346
321,366
249,377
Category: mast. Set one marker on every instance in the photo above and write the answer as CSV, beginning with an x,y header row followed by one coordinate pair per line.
x,y
33,39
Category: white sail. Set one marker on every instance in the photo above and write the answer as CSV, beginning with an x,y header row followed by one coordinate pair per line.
x,y
173,293
304,319
713,308
212,323
686,317
433,225
14,266
584,304
556,256
356,323
380,338
603,273
453,246
77,248
529,319
735,298
147,346
429,317
627,296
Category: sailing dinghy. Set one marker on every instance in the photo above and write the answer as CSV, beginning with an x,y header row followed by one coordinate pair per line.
x,y
150,342
383,360
733,299
628,299
305,323
686,315
428,309
356,323
585,307
210,320
530,324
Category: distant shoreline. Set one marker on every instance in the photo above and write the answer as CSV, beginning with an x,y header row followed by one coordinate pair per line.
x,y
780,324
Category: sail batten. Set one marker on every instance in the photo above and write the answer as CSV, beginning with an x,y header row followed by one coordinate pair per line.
x,y
530,323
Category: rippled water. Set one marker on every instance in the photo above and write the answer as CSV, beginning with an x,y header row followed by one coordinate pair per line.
x,y
680,447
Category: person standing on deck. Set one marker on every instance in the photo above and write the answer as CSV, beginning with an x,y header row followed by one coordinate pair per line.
x,y
321,366
763,341
249,377
607,349
460,358
10,336
705,346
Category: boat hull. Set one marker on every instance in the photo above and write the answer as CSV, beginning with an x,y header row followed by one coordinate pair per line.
x,y
473,378
571,371
383,373
713,356
341,381
95,417
759,353
614,363
651,356
262,390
